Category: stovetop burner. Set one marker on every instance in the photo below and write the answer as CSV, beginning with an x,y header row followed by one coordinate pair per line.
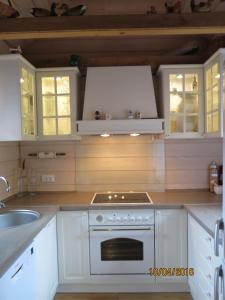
x,y
121,198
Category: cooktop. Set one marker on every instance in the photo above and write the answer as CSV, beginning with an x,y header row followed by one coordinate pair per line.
x,y
121,198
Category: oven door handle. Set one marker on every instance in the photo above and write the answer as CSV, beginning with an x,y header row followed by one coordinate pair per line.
x,y
121,229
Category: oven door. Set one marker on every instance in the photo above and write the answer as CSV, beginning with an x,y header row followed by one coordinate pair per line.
x,y
121,250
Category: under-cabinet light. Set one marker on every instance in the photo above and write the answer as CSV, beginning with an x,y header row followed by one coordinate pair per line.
x,y
134,134
105,135
179,76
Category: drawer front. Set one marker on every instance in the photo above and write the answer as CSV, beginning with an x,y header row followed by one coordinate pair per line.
x,y
203,241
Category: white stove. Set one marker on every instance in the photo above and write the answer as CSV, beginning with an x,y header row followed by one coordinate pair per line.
x,y
121,241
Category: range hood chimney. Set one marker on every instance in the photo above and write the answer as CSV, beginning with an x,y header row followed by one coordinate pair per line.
x,y
119,100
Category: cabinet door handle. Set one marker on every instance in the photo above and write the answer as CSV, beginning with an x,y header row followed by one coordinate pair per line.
x,y
17,272
219,226
218,275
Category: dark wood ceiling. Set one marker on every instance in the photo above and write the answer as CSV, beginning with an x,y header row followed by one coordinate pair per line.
x,y
117,50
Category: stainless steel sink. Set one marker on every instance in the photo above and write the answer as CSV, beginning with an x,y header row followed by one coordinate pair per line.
x,y
13,218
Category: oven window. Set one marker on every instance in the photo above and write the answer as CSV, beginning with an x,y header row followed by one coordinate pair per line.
x,y
121,249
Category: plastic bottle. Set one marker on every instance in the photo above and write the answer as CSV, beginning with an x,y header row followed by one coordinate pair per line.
x,y
213,175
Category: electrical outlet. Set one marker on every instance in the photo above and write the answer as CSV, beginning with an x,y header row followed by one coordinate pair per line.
x,y
49,178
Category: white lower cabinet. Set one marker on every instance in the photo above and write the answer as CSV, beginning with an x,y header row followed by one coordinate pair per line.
x,y
201,258
171,243
73,246
46,261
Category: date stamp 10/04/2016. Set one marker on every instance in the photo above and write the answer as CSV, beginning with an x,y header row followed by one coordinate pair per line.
x,y
171,272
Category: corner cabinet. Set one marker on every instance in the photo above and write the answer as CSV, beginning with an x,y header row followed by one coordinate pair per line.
x,y
182,100
214,94
171,242
17,99
57,93
73,247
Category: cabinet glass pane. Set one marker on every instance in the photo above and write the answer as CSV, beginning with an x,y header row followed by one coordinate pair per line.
x,y
176,82
28,127
63,105
24,81
215,101
191,82
63,85
215,121
208,101
30,83
176,103
49,126
191,123
224,77
209,123
191,103
48,85
25,105
208,79
176,124
48,106
215,74
64,126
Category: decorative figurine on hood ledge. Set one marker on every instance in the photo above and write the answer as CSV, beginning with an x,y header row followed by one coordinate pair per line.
x,y
59,9
203,6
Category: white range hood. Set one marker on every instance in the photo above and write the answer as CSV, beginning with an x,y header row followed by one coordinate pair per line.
x,y
115,91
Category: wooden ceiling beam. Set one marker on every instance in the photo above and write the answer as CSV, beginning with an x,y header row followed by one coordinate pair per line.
x,y
113,59
113,26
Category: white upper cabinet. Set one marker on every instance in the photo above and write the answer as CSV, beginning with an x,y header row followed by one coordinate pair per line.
x,y
214,94
182,100
17,98
57,93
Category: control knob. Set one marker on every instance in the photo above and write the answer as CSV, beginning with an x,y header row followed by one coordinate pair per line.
x,y
99,218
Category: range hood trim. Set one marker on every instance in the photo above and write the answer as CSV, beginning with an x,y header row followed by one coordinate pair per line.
x,y
142,126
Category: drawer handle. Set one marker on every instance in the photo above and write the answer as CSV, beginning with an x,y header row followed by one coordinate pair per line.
x,y
209,276
208,239
209,258
208,295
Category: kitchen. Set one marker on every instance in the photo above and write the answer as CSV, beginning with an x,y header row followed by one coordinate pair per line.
x,y
111,194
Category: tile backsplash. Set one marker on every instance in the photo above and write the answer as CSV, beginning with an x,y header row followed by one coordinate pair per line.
x,y
9,166
115,163
98,164
187,162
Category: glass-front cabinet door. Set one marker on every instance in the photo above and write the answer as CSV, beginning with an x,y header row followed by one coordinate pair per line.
x,y
56,103
183,100
28,109
214,94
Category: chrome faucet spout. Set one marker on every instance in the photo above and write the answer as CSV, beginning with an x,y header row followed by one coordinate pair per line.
x,y
8,187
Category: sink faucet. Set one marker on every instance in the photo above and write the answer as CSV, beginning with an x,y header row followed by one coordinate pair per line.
x,y
8,189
